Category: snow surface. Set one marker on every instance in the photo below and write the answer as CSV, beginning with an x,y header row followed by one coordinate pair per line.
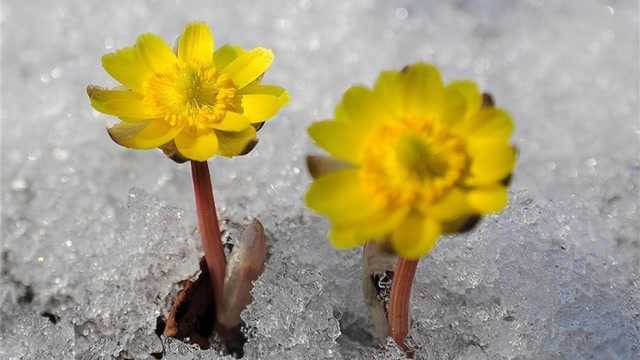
x,y
95,237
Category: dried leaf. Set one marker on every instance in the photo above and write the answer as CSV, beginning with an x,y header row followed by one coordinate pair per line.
x,y
319,165
245,265
487,100
192,315
171,151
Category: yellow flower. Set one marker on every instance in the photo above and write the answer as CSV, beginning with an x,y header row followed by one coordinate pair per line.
x,y
194,103
419,159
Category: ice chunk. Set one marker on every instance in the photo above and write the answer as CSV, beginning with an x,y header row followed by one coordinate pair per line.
x,y
26,334
290,316
117,279
517,288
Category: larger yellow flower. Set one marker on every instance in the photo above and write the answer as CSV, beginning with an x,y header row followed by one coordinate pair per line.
x,y
419,159
195,102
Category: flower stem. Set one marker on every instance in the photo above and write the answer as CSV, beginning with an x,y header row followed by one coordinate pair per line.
x,y
209,229
400,298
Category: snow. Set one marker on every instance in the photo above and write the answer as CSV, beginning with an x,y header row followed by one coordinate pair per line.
x,y
97,237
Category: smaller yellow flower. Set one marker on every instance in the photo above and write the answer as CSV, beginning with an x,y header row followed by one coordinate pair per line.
x,y
417,159
194,103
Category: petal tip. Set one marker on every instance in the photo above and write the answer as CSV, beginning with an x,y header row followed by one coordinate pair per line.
x,y
92,90
198,23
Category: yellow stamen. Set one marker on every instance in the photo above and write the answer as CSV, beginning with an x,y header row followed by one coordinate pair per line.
x,y
191,96
411,162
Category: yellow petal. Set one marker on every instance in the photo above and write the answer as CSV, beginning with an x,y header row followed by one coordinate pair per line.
x,y
492,123
491,161
339,196
155,52
263,102
381,223
461,225
423,90
487,124
359,113
375,227
261,89
360,106
127,66
354,100
471,93
344,238
453,212
258,108
344,140
226,54
143,135
249,66
196,44
455,107
415,236
121,103
199,147
488,200
452,207
232,122
389,90
235,143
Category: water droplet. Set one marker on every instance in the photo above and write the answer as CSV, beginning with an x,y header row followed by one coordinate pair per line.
x,y
313,44
402,13
60,154
56,72
19,184
304,4
108,43
284,23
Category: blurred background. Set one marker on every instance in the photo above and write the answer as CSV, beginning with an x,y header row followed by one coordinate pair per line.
x,y
96,235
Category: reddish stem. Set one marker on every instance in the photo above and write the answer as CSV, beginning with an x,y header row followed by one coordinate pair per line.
x,y
400,299
209,229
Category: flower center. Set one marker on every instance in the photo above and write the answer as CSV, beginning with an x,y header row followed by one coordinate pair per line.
x,y
196,97
411,162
